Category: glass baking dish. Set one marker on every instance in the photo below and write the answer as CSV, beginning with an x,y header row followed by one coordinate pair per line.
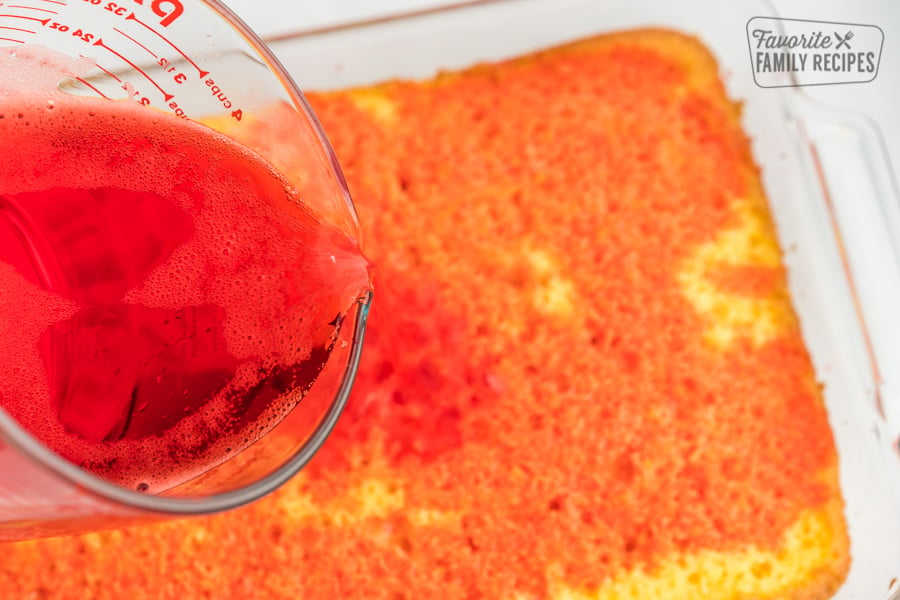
x,y
830,187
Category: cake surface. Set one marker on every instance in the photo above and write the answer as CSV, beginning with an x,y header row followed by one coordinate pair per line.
x,y
583,378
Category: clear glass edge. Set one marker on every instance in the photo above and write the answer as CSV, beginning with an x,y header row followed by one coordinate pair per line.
x,y
298,99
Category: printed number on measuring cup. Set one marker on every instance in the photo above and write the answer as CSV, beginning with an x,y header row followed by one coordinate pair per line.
x,y
168,10
116,9
83,35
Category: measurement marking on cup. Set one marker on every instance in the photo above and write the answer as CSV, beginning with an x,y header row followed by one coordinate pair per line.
x,y
165,94
132,17
41,21
105,70
92,87
17,29
108,72
2,39
46,10
151,52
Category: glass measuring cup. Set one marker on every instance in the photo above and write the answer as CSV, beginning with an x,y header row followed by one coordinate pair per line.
x,y
182,298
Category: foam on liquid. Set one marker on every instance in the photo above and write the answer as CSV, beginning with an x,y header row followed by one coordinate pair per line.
x,y
223,279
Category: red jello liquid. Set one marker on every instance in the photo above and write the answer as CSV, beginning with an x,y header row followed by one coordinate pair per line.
x,y
163,291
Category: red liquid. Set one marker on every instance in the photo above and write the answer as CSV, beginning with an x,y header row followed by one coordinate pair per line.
x,y
162,291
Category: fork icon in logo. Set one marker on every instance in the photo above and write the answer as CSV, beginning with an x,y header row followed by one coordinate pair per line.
x,y
843,41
